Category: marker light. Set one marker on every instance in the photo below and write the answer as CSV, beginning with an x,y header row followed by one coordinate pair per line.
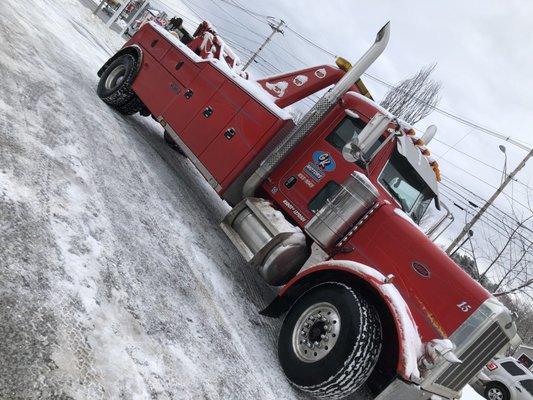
x,y
492,366
343,64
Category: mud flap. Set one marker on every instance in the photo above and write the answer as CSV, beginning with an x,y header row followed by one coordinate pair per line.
x,y
400,390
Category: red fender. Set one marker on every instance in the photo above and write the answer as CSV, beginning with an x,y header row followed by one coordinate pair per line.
x,y
410,344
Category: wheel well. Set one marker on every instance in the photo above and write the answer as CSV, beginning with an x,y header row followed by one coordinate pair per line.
x,y
386,368
499,384
133,50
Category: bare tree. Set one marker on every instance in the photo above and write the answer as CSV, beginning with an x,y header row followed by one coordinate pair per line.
x,y
414,98
510,258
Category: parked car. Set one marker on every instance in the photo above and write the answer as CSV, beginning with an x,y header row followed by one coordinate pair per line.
x,y
507,379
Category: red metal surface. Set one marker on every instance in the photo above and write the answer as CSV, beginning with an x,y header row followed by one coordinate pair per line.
x,y
214,115
180,66
184,108
236,140
152,41
156,86
301,84
386,241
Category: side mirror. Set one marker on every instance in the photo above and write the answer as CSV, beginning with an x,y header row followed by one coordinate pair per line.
x,y
358,147
351,151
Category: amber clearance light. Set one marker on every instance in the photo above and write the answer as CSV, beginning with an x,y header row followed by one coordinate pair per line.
x,y
343,64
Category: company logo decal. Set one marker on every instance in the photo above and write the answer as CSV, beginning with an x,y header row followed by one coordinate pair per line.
x,y
324,161
278,88
420,269
300,80
314,172
320,73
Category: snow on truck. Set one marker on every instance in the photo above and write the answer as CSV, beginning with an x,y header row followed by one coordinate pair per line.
x,y
386,306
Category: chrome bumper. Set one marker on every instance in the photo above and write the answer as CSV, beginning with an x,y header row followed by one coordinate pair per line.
x,y
485,333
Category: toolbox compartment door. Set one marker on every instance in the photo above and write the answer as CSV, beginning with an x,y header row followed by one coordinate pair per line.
x,y
180,66
193,98
237,140
153,42
213,117
155,86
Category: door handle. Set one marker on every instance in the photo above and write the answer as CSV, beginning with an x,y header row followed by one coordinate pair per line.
x,y
229,133
179,65
207,112
154,42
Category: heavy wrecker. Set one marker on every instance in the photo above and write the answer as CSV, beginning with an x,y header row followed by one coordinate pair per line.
x,y
384,306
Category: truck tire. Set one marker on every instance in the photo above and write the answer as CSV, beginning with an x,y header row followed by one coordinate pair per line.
x,y
131,107
114,87
172,144
330,341
496,391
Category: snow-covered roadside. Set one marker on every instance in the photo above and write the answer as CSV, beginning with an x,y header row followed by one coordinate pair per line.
x,y
470,394
115,280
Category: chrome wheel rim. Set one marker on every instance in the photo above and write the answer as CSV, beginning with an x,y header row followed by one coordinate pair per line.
x,y
115,78
495,394
316,332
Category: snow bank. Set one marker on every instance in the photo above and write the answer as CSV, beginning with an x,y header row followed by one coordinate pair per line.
x,y
276,217
470,394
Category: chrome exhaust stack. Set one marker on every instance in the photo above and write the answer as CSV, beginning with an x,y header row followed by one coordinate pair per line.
x,y
311,119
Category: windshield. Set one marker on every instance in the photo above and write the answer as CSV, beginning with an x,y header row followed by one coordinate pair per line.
x,y
402,181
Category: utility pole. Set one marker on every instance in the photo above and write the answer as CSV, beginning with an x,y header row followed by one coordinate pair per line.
x,y
476,217
275,29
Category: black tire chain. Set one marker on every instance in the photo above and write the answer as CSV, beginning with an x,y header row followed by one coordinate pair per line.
x,y
131,107
349,378
123,95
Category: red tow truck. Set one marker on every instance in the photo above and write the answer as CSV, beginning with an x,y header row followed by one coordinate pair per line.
x,y
384,306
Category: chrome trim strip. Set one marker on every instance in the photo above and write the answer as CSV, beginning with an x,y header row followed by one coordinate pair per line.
x,y
475,329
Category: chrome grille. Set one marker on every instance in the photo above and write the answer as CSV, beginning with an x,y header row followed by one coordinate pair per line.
x,y
474,358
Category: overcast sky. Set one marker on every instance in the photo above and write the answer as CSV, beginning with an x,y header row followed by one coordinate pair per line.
x,y
483,51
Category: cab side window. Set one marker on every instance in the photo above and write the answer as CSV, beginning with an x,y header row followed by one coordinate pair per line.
x,y
344,132
348,129
528,385
512,368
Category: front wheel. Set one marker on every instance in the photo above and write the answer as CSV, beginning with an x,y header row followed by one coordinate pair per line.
x,y
330,341
496,391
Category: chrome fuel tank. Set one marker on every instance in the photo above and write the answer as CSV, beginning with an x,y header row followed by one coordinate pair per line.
x,y
355,197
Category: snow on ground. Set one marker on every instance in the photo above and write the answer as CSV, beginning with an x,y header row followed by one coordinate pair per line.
x,y
115,279
470,394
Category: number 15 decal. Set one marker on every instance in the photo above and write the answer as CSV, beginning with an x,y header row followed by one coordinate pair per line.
x,y
464,306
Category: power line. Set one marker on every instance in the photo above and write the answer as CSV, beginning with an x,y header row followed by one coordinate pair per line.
x,y
379,80
449,189
458,186
463,120
495,223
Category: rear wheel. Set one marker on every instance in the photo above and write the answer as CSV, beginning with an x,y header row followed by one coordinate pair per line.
x,y
172,144
330,341
131,107
496,391
114,87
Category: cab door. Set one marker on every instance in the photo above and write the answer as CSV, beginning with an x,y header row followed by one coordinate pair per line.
x,y
319,170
